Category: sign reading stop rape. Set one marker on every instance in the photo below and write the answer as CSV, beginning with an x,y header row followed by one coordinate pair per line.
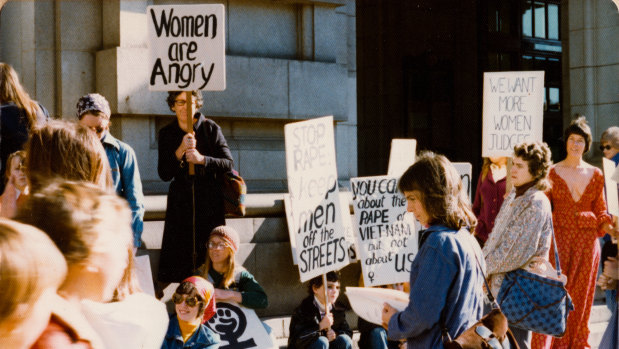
x,y
386,235
513,111
187,47
315,208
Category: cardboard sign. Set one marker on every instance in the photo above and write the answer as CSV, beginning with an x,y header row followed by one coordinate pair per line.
x,y
402,156
616,175
187,47
239,327
144,274
513,111
386,238
368,302
315,207
346,221
610,186
465,169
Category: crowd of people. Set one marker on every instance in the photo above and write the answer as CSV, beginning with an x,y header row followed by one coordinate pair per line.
x,y
73,208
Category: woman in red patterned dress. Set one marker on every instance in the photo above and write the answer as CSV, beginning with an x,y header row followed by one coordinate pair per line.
x,y
580,217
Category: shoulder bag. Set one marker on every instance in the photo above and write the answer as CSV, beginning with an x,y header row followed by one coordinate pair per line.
x,y
537,302
234,190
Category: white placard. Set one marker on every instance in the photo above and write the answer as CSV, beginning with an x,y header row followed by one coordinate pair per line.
x,y
315,208
465,169
368,302
144,274
402,156
610,186
616,175
346,221
187,47
239,327
386,237
513,111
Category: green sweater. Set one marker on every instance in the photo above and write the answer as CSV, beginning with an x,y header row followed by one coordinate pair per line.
x,y
252,293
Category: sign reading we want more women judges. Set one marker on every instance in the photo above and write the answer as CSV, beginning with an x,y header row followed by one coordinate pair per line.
x,y
513,111
187,47
320,235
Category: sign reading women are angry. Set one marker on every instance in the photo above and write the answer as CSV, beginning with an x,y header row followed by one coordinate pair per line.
x,y
187,47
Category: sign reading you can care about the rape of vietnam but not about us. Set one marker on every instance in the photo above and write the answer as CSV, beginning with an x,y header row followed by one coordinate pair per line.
x,y
187,47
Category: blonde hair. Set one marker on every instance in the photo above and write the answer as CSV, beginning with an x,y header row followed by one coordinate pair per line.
x,y
228,275
30,263
11,90
18,154
76,215
442,194
66,150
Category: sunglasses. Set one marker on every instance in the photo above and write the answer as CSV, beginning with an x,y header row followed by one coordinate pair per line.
x,y
178,299
605,147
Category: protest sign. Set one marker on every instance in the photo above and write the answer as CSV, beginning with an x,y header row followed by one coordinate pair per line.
x,y
239,327
315,208
346,221
465,169
187,47
386,240
615,176
368,302
513,111
402,156
610,186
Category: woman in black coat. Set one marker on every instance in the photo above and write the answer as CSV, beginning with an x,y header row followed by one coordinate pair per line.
x,y
206,148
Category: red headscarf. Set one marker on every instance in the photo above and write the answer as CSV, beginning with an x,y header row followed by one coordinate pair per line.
x,y
207,291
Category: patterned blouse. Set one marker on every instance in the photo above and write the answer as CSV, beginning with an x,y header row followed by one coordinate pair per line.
x,y
522,230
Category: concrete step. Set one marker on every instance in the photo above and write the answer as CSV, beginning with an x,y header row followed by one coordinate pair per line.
x,y
598,321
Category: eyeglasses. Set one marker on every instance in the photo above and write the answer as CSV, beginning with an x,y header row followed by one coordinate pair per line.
x,y
605,147
182,102
178,299
217,246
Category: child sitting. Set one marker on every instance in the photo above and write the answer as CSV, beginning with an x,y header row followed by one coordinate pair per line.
x,y
313,327
194,302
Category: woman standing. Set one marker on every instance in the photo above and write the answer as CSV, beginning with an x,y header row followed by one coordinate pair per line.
x,y
523,226
18,114
203,145
445,279
580,217
489,196
232,282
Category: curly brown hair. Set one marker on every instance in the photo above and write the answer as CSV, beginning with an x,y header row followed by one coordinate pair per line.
x,y
442,193
538,157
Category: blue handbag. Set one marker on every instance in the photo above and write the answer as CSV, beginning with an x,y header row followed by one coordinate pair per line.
x,y
535,302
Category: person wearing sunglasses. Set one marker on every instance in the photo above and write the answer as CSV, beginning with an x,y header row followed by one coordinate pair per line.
x,y
194,303
232,282
609,144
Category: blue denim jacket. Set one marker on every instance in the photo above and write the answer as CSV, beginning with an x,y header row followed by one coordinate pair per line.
x,y
127,182
445,287
203,338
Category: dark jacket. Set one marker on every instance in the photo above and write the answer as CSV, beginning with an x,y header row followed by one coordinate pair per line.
x,y
203,338
304,325
177,245
14,132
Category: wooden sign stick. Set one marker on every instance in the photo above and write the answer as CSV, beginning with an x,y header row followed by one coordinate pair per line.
x,y
188,108
324,282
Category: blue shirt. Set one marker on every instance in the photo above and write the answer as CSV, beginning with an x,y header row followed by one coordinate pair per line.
x,y
203,338
445,287
615,159
127,182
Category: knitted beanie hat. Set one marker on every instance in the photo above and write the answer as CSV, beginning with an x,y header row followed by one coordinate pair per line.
x,y
207,291
229,235
93,102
